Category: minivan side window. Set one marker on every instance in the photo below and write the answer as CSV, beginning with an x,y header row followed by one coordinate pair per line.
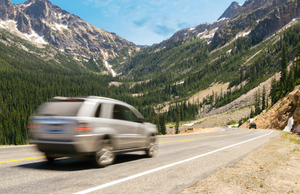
x,y
130,115
119,112
97,113
124,113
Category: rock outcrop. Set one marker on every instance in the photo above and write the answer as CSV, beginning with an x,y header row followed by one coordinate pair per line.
x,y
231,11
260,17
277,116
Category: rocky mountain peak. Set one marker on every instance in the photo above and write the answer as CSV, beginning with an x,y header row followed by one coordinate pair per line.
x,y
4,6
42,23
232,10
5,3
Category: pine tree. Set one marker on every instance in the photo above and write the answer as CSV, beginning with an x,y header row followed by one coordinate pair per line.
x,y
297,62
283,78
177,121
273,91
257,102
162,124
264,98
252,113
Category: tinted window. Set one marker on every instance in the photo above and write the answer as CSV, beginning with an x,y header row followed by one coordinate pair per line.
x,y
59,108
119,112
124,113
97,113
130,116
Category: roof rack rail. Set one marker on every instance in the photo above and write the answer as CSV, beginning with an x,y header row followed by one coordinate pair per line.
x,y
103,98
69,98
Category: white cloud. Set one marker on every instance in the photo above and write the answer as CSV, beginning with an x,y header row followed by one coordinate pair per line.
x,y
128,16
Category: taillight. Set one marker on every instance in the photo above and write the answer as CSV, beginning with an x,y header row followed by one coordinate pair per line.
x,y
83,127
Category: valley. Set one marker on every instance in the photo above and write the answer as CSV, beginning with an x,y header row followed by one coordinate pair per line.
x,y
213,68
199,87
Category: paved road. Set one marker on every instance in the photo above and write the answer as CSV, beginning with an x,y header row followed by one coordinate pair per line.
x,y
181,162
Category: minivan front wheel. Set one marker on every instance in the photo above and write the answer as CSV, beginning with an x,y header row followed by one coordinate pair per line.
x,y
104,156
151,149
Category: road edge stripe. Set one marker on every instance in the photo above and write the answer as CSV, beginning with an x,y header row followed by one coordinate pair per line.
x,y
163,167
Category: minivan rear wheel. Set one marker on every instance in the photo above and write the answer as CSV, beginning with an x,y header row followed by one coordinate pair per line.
x,y
105,155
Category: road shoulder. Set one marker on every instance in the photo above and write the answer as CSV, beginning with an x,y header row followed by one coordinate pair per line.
x,y
272,168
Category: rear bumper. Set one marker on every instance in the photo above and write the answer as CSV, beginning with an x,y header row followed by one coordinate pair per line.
x,y
52,148
80,145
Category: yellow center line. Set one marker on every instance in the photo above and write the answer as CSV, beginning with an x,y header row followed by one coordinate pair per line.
x,y
184,140
202,138
22,159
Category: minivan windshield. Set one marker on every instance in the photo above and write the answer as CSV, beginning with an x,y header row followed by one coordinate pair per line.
x,y
59,108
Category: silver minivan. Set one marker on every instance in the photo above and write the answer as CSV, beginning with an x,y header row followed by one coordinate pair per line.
x,y
93,127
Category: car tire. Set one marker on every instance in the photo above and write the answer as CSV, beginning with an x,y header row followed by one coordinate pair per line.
x,y
105,155
49,158
151,149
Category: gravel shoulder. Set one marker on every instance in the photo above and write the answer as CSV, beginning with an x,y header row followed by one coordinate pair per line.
x,y
272,168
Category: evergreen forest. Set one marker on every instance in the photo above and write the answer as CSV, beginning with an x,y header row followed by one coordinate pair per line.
x,y
171,75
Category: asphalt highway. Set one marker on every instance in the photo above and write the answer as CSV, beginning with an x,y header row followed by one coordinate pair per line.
x,y
181,162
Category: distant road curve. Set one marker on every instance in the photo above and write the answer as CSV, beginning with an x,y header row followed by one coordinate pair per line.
x,y
181,162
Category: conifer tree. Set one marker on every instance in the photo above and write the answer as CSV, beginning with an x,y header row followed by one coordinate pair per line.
x,y
273,91
264,98
283,78
162,124
177,121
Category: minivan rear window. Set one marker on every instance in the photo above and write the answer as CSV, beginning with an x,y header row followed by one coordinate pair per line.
x,y
59,108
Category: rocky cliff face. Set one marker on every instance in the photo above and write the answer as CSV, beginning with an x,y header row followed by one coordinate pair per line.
x,y
260,17
281,14
277,117
231,11
44,23
256,19
202,31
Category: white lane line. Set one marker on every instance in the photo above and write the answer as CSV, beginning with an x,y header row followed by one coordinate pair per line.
x,y
163,167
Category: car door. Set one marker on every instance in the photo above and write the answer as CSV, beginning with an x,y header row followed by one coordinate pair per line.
x,y
140,137
125,127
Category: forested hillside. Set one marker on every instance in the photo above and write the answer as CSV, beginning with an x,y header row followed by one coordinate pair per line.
x,y
27,80
163,75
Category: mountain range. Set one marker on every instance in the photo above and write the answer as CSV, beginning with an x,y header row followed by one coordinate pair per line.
x,y
46,52
43,23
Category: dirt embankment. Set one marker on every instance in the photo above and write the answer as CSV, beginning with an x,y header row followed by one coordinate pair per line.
x,y
244,100
278,115
272,168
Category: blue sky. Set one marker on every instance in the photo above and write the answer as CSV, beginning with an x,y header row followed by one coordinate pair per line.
x,y
144,22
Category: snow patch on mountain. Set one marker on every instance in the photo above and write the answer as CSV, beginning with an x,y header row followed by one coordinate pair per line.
x,y
60,26
222,19
202,33
192,29
96,62
34,37
109,68
27,5
243,34
5,24
208,36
